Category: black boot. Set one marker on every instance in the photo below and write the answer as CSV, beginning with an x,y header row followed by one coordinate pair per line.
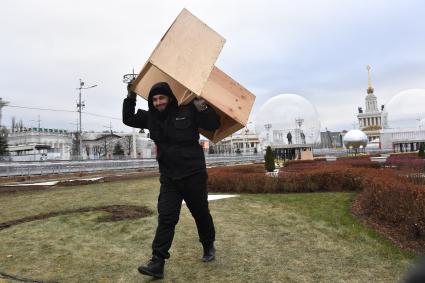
x,y
209,252
154,268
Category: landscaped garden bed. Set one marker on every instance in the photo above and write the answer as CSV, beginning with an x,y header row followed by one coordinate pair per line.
x,y
390,196
302,237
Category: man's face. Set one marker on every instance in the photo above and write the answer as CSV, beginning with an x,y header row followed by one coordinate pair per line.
x,y
160,102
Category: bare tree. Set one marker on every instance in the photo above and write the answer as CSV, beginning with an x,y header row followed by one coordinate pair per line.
x,y
129,140
13,124
88,151
21,126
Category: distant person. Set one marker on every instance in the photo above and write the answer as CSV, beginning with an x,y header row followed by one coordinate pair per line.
x,y
302,137
183,174
289,137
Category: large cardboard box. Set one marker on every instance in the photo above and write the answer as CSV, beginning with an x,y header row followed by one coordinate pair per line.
x,y
232,102
185,59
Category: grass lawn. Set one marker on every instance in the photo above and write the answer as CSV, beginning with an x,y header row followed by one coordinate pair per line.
x,y
260,238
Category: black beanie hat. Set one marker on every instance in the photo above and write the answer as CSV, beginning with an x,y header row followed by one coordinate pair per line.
x,y
161,88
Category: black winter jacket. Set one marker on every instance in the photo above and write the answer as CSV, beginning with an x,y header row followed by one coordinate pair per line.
x,y
176,135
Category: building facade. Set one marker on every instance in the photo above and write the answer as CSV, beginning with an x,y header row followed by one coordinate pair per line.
x,y
98,145
329,139
405,140
36,144
244,141
371,119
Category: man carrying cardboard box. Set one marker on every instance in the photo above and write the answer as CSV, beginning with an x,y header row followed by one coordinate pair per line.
x,y
183,174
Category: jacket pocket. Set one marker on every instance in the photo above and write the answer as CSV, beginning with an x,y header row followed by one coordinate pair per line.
x,y
182,123
182,128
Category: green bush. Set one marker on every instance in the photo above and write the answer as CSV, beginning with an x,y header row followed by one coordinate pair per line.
x,y
3,144
421,152
269,160
118,149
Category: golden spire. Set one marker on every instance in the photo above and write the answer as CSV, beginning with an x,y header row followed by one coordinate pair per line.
x,y
369,80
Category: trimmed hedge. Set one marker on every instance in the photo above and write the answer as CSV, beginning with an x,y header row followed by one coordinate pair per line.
x,y
409,161
316,179
394,200
387,195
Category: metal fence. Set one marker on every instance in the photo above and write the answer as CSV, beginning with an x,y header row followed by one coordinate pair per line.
x,y
60,167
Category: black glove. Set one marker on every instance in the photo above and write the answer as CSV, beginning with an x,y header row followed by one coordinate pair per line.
x,y
131,94
200,104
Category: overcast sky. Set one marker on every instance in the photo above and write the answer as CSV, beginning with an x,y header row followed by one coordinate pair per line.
x,y
317,49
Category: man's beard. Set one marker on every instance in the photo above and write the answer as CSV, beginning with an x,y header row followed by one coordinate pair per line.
x,y
162,107
164,112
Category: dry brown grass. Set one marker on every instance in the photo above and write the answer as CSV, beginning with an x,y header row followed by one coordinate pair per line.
x,y
260,238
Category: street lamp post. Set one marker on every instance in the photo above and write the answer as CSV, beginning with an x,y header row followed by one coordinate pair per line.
x,y
127,78
38,129
80,106
246,143
299,121
268,127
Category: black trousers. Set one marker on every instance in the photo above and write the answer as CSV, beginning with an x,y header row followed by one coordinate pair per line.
x,y
193,190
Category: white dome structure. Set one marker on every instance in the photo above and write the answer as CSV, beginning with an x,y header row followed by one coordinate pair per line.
x,y
421,125
405,109
288,113
355,139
